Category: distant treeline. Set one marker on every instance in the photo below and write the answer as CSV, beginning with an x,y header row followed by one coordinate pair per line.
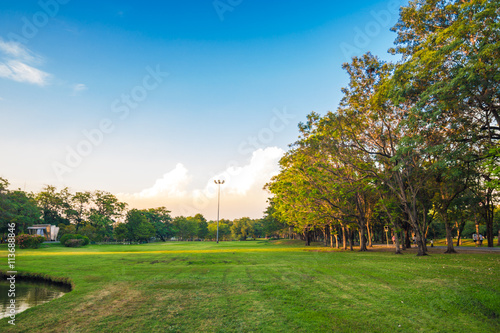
x,y
102,217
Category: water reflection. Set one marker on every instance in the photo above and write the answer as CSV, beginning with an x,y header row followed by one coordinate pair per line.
x,y
29,294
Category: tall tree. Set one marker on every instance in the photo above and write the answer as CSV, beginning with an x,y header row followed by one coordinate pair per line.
x,y
139,228
242,228
55,205
451,61
79,210
376,130
17,207
271,224
187,228
105,210
202,226
162,222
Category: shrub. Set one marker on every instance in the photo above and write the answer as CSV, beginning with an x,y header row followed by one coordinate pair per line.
x,y
93,233
74,242
66,229
65,238
26,241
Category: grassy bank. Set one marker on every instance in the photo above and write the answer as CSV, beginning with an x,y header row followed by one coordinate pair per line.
x,y
260,286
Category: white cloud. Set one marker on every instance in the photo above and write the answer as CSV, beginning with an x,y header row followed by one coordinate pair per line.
x,y
240,180
16,63
172,184
79,87
16,50
21,72
242,190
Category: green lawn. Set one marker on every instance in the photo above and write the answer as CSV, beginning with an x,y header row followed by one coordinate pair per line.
x,y
260,286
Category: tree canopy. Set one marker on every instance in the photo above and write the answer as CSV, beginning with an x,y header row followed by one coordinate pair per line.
x,y
410,139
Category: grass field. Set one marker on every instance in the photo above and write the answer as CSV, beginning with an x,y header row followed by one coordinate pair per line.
x,y
465,242
260,286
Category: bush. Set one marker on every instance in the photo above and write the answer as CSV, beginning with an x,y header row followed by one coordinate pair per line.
x,y
67,237
74,242
66,229
26,241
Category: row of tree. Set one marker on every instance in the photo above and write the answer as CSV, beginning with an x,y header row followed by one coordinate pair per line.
x,y
90,213
102,217
411,141
142,225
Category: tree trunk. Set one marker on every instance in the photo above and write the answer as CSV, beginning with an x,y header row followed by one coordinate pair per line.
x,y
331,236
403,243
489,222
477,229
410,209
344,238
396,239
407,237
337,239
395,225
449,237
460,229
422,248
351,238
307,237
424,228
369,232
362,239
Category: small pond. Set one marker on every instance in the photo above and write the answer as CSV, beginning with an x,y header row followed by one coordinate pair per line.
x,y
29,294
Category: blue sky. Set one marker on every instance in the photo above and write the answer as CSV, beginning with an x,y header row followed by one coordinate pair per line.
x,y
153,101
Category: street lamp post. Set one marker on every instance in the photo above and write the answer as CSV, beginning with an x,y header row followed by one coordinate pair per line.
x,y
218,182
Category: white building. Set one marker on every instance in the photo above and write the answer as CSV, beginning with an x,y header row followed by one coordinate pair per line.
x,y
46,230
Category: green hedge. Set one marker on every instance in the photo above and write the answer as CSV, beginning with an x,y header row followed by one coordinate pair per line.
x,y
67,237
74,242
26,241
